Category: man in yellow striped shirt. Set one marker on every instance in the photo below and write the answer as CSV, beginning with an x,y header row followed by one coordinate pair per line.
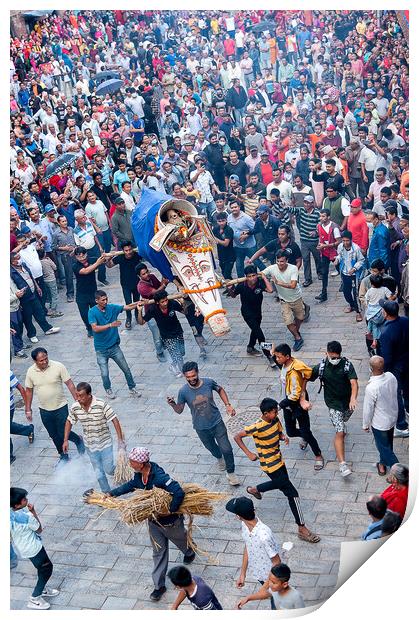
x,y
267,432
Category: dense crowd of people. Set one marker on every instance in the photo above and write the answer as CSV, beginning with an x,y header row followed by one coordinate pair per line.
x,y
289,131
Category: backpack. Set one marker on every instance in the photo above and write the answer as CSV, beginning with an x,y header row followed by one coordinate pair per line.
x,y
322,366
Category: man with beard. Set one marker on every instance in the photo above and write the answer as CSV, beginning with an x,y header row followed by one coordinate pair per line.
x,y
197,393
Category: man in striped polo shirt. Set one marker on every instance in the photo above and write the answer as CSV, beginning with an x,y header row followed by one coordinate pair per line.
x,y
94,416
267,433
307,220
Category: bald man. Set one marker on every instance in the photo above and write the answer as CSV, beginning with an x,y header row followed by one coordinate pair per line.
x,y
380,412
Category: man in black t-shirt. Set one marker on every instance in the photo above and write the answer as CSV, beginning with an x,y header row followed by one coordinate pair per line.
x,y
127,276
283,242
171,332
251,297
224,234
238,167
84,269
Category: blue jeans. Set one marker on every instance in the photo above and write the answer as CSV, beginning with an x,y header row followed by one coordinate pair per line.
x,y
114,353
16,322
206,208
241,254
13,557
158,344
216,441
103,463
65,269
384,443
18,429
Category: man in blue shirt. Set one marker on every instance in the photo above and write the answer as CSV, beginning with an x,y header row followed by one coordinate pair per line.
x,y
103,320
244,242
394,348
379,242
377,508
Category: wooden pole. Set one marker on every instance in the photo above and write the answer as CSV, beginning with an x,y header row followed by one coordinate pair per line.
x,y
224,284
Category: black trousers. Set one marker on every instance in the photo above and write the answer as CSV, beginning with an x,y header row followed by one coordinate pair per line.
x,y
44,567
226,269
54,422
256,333
325,262
350,291
34,309
281,481
130,295
83,305
294,415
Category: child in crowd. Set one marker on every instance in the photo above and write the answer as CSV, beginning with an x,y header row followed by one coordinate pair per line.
x,y
48,272
193,588
25,529
277,586
373,314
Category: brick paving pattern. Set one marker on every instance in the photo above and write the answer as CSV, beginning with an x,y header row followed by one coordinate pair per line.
x,y
100,563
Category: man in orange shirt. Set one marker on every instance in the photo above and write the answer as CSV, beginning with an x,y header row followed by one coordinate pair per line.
x,y
317,136
357,225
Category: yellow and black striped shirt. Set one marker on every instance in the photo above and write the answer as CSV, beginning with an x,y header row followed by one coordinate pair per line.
x,y
266,437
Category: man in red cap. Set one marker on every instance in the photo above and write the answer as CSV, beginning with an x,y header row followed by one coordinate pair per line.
x,y
332,138
357,225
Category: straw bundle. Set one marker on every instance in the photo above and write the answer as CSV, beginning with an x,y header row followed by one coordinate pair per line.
x,y
123,472
152,504
143,505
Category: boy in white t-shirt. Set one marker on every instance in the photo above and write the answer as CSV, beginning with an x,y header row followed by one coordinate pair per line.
x,y
277,587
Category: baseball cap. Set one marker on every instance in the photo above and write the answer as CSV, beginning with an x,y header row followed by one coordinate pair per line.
x,y
330,128
264,153
234,177
391,307
25,230
241,506
370,91
262,209
288,113
253,148
49,208
356,202
118,201
308,199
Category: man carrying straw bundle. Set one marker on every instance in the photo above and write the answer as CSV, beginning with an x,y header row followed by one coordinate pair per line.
x,y
171,527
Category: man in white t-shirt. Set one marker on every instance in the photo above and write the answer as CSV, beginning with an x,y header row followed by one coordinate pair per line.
x,y
261,550
278,589
285,188
285,277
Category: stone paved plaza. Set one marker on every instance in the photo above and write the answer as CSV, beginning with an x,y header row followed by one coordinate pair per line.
x,y
100,563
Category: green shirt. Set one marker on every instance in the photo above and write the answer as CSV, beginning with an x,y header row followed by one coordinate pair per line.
x,y
336,384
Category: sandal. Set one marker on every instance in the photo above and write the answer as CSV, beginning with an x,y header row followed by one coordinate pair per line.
x,y
358,317
303,445
318,465
381,473
256,493
310,537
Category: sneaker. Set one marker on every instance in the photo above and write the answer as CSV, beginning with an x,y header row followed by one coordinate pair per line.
x,y
401,433
53,330
298,344
27,346
158,593
50,592
233,480
253,351
34,339
70,300
110,394
307,283
55,314
104,282
31,436
334,273
161,357
221,464
134,392
21,354
189,557
37,602
128,324
321,298
344,470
